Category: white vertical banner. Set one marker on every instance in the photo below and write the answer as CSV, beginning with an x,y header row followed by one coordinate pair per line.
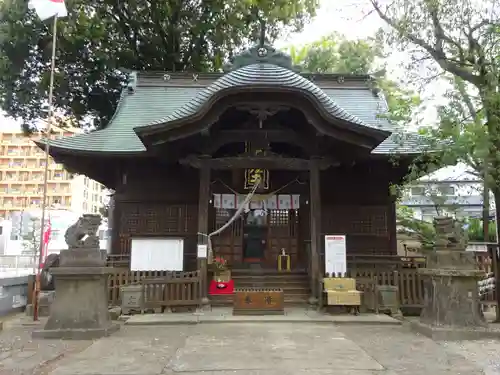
x,y
335,254
217,200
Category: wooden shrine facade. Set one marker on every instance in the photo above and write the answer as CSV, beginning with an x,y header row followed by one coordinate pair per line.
x,y
151,205
181,147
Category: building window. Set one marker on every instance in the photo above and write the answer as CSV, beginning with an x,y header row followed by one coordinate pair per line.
x,y
417,190
446,190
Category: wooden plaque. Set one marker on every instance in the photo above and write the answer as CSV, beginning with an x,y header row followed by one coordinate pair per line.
x,y
258,301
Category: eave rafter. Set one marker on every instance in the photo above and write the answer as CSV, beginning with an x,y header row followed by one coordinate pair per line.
x,y
264,162
224,137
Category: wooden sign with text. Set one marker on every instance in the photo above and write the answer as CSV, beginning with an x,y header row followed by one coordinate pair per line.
x,y
258,301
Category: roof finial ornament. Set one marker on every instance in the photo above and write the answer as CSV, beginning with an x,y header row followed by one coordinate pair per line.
x,y
262,32
262,50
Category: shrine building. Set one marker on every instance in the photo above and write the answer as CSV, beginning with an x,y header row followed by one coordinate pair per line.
x,y
183,150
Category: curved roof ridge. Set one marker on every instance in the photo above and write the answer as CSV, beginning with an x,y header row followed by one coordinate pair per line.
x,y
262,75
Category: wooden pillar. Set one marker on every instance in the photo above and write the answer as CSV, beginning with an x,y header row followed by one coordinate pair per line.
x,y
203,202
315,217
392,228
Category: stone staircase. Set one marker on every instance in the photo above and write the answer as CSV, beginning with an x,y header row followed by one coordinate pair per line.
x,y
295,285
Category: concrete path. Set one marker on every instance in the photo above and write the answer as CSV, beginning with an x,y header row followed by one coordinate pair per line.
x,y
248,349
225,315
266,349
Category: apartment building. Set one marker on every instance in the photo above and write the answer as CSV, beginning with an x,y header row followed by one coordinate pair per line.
x,y
21,178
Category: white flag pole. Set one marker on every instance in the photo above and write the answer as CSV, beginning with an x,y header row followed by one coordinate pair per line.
x,y
46,169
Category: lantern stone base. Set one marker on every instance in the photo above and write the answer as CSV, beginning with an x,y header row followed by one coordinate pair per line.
x,y
449,333
451,298
452,309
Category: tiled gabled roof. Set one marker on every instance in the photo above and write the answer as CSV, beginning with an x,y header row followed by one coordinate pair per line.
x,y
149,104
263,76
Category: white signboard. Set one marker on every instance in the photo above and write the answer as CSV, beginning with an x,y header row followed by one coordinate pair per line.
x,y
335,254
202,251
157,254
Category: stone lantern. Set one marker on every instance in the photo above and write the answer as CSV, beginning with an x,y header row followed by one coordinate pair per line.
x,y
451,308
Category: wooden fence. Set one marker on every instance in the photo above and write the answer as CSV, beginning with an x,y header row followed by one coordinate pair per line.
x,y
380,268
161,288
175,289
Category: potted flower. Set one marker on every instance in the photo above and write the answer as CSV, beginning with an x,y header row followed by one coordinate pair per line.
x,y
221,272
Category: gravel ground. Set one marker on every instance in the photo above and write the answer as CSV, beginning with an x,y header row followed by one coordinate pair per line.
x,y
21,355
484,353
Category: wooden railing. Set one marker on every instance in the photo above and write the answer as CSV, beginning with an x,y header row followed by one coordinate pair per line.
x,y
123,277
411,289
175,289
164,289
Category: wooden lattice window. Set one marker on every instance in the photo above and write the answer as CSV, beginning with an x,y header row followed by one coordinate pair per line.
x,y
222,216
279,218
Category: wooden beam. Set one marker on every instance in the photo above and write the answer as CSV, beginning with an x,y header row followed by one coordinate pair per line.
x,y
203,202
264,162
225,137
315,217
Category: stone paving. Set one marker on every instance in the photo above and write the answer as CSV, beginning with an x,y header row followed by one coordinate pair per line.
x,y
248,348
225,315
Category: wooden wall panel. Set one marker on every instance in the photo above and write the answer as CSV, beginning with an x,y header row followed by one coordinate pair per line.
x,y
158,220
368,228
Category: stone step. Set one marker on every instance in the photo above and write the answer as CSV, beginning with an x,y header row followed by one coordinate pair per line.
x,y
287,289
290,300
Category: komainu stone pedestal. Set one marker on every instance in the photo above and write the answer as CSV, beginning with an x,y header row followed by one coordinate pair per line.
x,y
80,309
452,309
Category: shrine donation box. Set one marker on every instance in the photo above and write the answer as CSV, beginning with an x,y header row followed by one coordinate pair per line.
x,y
341,291
258,301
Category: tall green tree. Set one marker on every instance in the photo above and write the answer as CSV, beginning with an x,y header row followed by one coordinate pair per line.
x,y
463,40
337,54
101,40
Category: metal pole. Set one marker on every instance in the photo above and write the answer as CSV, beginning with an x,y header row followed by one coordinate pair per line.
x,y
46,170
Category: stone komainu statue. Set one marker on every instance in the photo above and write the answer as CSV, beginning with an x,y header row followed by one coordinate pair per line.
x,y
83,234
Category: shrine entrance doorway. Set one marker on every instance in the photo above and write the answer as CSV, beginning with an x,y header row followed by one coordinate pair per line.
x,y
255,232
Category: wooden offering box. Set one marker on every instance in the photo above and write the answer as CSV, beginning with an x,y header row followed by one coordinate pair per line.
x,y
258,301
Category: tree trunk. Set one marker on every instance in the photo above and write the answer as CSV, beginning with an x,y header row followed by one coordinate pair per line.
x,y
495,254
486,212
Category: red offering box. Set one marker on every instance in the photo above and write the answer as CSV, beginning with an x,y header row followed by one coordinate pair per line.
x,y
217,287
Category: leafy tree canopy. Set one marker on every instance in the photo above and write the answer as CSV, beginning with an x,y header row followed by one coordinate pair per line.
x,y
101,40
337,54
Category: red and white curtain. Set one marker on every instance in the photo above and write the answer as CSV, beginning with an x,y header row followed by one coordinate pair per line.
x,y
265,202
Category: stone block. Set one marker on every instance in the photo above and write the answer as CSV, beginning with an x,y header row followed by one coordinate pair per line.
x,y
80,310
449,333
451,299
131,296
76,334
45,301
114,313
451,259
82,258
